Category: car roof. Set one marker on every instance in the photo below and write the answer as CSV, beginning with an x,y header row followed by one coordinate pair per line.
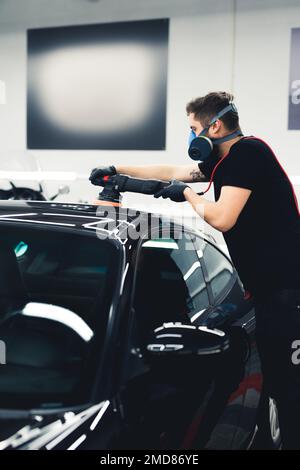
x,y
79,216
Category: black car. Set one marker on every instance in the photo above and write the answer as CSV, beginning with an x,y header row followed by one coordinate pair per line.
x,y
115,336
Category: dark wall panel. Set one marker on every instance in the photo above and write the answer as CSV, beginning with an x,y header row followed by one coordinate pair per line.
x,y
100,86
294,89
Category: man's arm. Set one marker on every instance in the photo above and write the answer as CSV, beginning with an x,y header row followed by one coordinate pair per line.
x,y
222,214
186,173
189,174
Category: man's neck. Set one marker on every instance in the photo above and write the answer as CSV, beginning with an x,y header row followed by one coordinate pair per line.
x,y
226,146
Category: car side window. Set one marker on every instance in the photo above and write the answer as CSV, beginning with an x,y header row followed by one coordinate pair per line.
x,y
170,284
218,267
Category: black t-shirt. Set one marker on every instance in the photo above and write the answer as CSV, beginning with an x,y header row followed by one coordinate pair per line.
x,y
264,244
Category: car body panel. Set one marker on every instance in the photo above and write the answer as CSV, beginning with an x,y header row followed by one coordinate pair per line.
x,y
212,404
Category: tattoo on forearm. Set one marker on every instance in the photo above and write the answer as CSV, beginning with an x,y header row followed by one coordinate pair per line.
x,y
197,175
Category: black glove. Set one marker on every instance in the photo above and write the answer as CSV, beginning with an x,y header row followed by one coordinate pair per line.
x,y
100,172
174,191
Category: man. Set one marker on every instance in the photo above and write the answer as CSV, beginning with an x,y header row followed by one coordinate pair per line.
x,y
256,210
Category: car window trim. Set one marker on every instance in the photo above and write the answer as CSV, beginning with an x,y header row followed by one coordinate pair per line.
x,y
216,300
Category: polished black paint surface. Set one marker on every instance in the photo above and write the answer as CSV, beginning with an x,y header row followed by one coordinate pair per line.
x,y
138,400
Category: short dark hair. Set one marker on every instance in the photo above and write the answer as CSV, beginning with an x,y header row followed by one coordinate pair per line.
x,y
206,107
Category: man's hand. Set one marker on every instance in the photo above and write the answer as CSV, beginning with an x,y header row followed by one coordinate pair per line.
x,y
101,171
175,191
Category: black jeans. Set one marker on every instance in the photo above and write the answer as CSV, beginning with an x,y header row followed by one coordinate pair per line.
x,y
277,330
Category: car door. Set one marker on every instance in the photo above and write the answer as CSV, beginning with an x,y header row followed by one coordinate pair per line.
x,y
169,405
232,311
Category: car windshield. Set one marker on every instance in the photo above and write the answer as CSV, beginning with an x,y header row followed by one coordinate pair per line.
x,y
56,289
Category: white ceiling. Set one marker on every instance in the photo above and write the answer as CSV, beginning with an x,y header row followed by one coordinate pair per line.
x,y
43,12
39,13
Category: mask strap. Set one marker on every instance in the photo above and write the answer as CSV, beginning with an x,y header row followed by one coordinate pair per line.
x,y
227,137
230,107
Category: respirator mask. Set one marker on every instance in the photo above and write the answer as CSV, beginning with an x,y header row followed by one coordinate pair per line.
x,y
201,146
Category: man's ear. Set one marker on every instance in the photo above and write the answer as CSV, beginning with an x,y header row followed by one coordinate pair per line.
x,y
216,127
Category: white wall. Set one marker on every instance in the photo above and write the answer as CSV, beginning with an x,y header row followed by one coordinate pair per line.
x,y
262,73
242,46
